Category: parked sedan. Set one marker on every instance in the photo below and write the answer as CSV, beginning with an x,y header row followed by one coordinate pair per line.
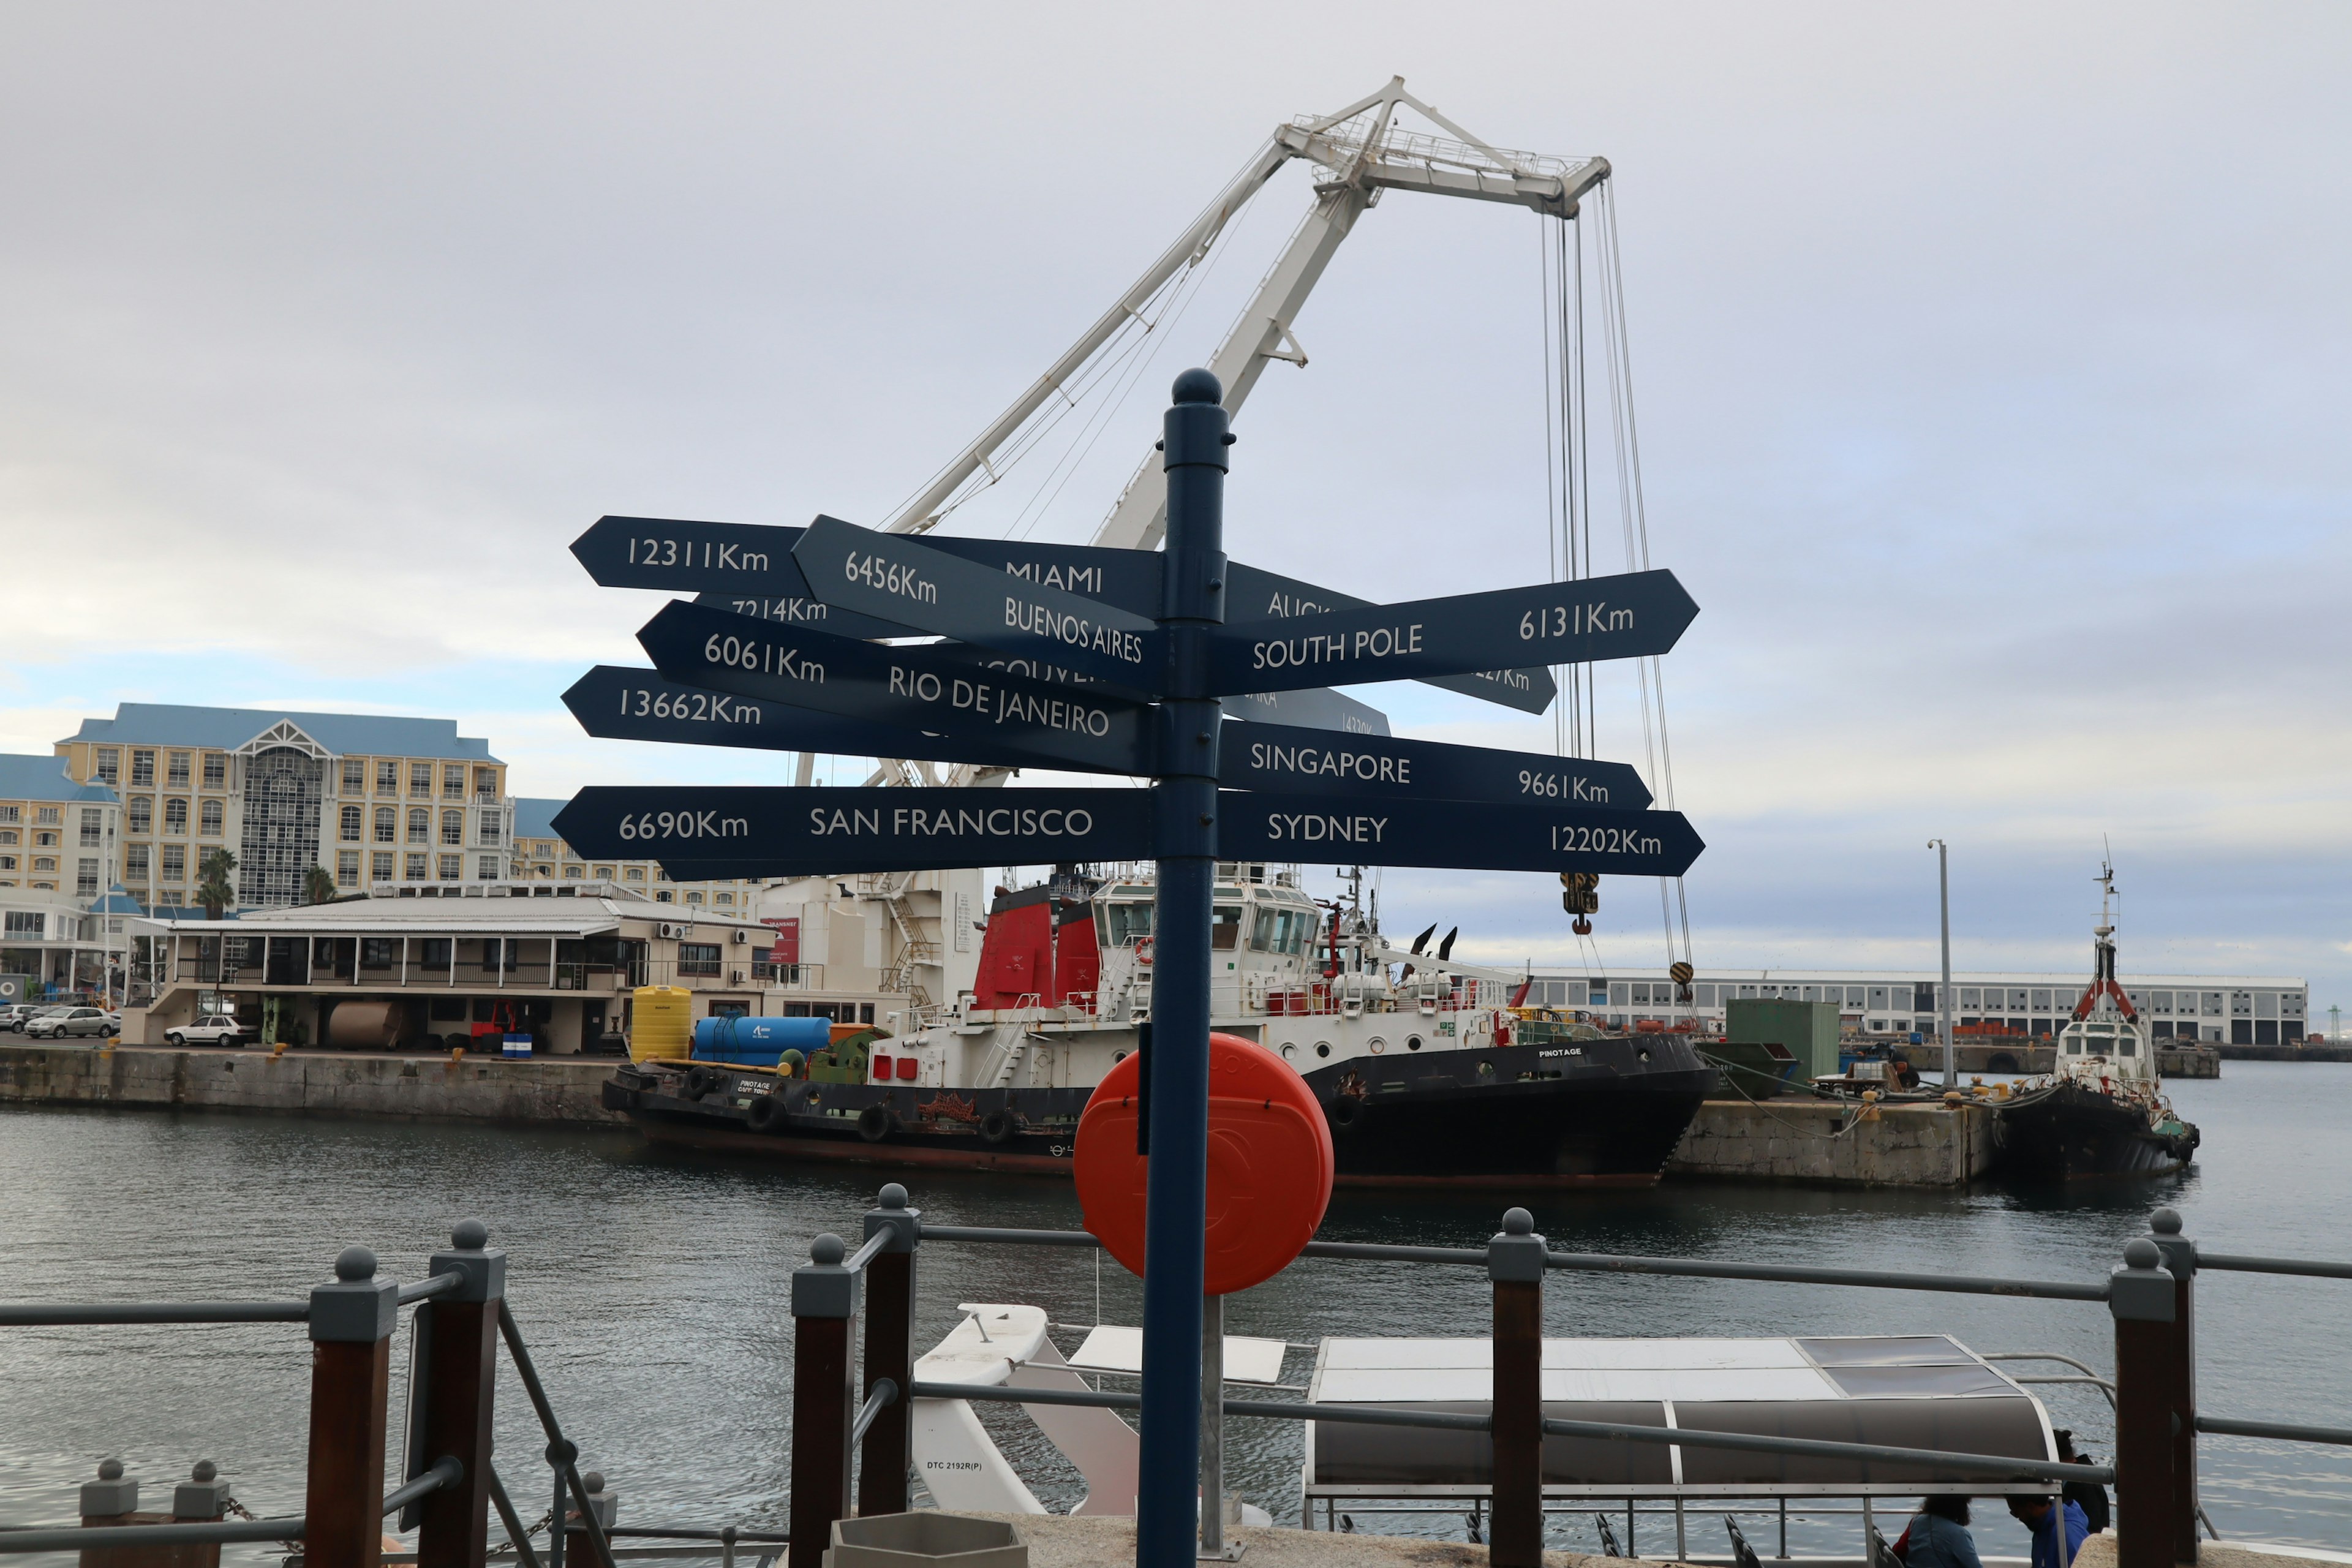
x,y
212,1029
17,1014
59,1022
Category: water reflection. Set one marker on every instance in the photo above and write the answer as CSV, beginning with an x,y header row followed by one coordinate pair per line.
x,y
652,1288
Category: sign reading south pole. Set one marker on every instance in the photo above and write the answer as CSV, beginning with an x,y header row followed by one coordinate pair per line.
x,y
1441,833
1628,616
716,651
884,575
848,830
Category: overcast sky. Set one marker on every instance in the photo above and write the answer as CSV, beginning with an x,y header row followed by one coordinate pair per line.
x,y
1992,366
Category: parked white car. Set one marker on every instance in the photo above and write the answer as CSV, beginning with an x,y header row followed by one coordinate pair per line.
x,y
58,1022
212,1029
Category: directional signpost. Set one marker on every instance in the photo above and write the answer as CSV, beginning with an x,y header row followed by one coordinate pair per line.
x,y
1208,677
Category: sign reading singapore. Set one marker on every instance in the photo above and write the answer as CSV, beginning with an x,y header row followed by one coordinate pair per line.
x,y
1053,656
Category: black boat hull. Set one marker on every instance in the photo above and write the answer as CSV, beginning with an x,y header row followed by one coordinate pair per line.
x,y
1592,1113
2068,1132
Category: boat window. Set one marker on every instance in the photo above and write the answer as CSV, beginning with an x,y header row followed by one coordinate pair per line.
x,y
1225,927
1296,924
1266,929
1126,922
2073,1043
2128,1046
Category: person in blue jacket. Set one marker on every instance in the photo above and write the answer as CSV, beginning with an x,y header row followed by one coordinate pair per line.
x,y
1938,1536
2058,1529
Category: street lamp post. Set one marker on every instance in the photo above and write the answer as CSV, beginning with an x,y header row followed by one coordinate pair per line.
x,y
1943,995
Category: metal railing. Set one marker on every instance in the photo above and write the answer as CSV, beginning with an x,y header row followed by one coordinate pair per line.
x,y
2147,1298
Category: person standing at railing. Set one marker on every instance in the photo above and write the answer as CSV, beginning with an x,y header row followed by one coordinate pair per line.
x,y
2089,1496
2058,1529
1938,1536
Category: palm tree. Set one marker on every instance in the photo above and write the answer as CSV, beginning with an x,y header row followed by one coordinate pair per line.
x,y
317,886
214,889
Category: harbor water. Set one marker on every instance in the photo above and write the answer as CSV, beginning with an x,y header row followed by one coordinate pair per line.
x,y
652,1287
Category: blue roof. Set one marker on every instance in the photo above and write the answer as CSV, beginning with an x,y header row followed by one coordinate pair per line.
x,y
226,729
116,901
45,778
535,817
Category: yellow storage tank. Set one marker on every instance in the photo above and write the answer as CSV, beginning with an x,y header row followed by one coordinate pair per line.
x,y
659,1025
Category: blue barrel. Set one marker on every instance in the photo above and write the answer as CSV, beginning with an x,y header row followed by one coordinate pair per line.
x,y
757,1042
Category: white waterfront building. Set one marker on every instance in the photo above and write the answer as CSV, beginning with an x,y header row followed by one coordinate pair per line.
x,y
2241,1009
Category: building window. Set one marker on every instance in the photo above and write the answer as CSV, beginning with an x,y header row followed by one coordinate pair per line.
x,y
694,898
347,867
412,868
420,826
7,836
208,818
699,958
45,840
453,783
350,821
633,873
722,898
380,866
662,895
603,873
175,816
215,770
378,953
453,827
485,869
387,825
175,862
486,783
24,924
110,765
387,778
12,814
91,822
544,870
354,775
436,952
572,873
453,868
490,833
135,864
48,816
86,878
142,770
420,778
7,863
175,775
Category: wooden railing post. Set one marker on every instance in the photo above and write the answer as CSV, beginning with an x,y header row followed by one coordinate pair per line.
x,y
458,1333
889,1454
2141,1297
824,1320
1514,1265
203,1497
578,1548
2179,1254
350,1362
113,1500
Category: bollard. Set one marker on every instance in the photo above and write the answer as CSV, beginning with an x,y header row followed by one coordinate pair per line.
x,y
577,1547
2179,1255
824,1316
888,1453
457,1368
1515,1263
203,1497
351,1365
113,1500
2140,1297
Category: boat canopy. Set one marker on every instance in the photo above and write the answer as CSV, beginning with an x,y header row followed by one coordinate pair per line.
x,y
1922,1391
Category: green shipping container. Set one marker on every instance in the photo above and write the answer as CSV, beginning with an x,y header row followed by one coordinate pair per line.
x,y
1809,1030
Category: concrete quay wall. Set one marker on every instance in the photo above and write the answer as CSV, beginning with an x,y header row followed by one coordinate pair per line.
x,y
1801,1141
310,1083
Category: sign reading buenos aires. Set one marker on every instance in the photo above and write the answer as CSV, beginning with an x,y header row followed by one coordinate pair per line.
x,y
849,830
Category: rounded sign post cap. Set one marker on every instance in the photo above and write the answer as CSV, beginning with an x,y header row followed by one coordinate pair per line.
x,y
1270,1165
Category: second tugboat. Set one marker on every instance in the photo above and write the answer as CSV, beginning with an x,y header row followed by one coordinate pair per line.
x,y
1428,1076
2099,1112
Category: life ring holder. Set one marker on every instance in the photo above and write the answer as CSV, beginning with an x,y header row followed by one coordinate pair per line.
x,y
1143,951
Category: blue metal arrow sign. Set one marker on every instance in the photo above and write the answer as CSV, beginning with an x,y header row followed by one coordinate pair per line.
x,y
848,830
1266,827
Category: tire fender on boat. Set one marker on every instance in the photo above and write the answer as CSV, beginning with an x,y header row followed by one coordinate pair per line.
x,y
998,1126
873,1123
765,1112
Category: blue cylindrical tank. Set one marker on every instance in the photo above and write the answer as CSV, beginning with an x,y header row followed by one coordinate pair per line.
x,y
757,1042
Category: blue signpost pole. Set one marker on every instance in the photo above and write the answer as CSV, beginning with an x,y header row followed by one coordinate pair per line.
x,y
1185,807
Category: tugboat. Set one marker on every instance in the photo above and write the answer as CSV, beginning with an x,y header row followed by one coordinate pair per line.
x,y
1426,1072
2099,1112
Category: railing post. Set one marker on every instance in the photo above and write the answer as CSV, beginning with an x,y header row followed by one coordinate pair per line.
x,y
2179,1254
578,1548
1515,1264
350,1362
888,1453
112,1500
824,1317
203,1497
459,1371
2140,1297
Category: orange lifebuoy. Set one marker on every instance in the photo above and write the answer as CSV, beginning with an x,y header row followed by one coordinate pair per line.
x,y
1270,1165
1143,950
